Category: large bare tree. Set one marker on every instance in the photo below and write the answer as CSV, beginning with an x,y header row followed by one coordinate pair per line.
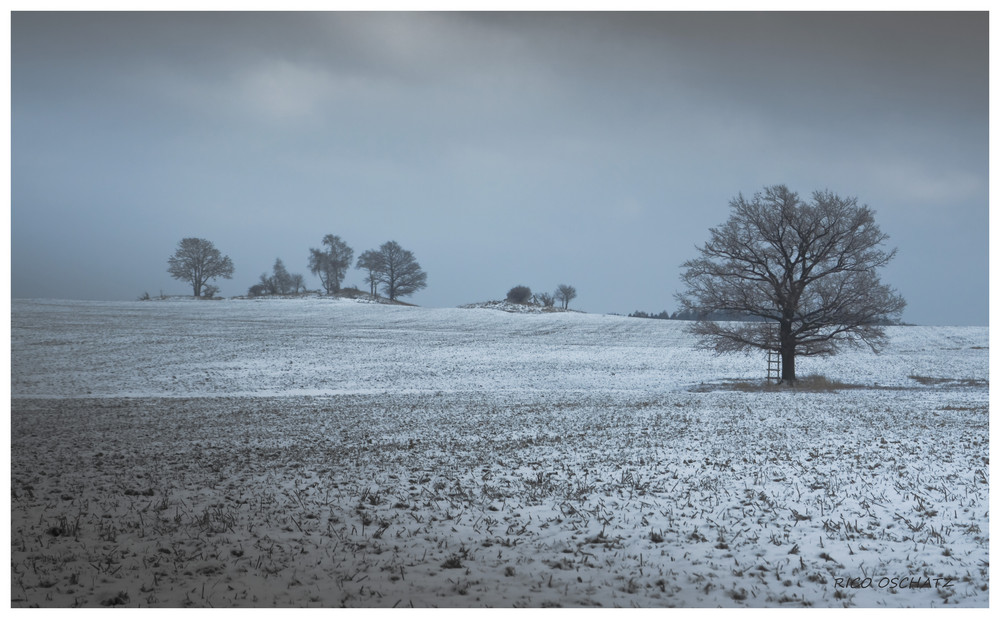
x,y
400,271
802,272
196,261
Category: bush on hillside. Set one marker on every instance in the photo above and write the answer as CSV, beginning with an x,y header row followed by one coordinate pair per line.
x,y
519,294
545,299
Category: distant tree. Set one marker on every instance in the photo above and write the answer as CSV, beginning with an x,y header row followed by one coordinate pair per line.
x,y
197,261
331,263
664,315
716,316
372,262
565,294
401,273
519,294
266,285
546,299
279,282
804,270
282,278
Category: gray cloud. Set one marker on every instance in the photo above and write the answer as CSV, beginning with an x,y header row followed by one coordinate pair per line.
x,y
502,148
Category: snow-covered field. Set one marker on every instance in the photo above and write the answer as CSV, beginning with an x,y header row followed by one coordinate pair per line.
x,y
325,453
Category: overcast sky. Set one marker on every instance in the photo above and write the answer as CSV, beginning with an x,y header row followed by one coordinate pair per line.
x,y
502,149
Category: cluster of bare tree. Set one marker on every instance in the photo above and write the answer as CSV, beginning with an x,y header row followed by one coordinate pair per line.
x,y
522,294
197,261
395,268
279,282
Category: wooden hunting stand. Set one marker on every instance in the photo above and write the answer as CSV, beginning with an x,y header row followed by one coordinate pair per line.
x,y
774,365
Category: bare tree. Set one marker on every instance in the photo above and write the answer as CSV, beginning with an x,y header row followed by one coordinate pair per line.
x,y
266,285
372,262
197,261
546,299
803,273
401,273
332,263
565,294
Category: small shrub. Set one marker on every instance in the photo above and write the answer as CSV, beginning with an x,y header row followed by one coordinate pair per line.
x,y
519,294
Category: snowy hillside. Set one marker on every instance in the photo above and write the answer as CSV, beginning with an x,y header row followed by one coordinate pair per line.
x,y
292,453
326,347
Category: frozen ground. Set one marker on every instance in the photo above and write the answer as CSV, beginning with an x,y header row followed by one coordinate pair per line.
x,y
325,453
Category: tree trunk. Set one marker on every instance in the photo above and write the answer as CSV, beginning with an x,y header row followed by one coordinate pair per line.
x,y
788,366
787,352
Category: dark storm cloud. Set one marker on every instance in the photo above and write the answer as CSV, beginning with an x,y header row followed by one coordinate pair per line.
x,y
502,148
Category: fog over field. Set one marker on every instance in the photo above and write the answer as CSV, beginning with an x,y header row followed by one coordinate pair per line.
x,y
321,452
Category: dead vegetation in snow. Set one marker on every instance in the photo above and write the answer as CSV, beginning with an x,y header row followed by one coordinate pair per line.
x,y
436,500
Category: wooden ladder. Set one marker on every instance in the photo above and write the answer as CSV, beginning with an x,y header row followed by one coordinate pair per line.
x,y
774,365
